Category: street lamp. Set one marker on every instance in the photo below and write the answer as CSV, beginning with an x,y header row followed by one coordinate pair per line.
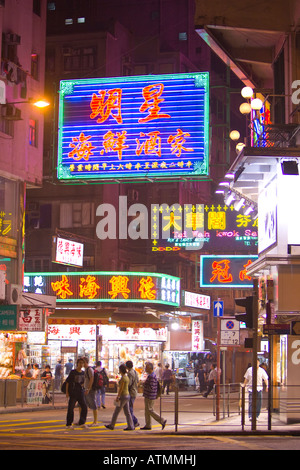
x,y
38,103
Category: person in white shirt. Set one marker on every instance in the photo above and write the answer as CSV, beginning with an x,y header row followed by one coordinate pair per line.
x,y
261,376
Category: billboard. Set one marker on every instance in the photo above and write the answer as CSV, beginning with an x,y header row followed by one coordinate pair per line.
x,y
225,271
212,227
103,286
133,127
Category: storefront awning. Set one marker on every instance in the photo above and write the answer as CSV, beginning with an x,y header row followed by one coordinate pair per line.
x,y
138,320
80,317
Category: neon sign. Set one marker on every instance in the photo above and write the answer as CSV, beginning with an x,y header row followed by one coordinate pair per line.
x,y
225,271
105,286
213,228
133,127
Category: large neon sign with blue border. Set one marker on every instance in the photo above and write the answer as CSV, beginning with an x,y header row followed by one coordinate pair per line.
x,y
133,127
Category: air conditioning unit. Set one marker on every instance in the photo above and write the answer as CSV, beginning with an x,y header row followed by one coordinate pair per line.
x,y
11,113
13,294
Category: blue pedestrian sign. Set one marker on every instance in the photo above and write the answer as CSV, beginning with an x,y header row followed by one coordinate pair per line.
x,y
218,308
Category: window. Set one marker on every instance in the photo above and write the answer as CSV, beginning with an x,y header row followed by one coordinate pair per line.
x,y
81,20
37,7
51,6
33,133
79,58
34,66
76,214
68,21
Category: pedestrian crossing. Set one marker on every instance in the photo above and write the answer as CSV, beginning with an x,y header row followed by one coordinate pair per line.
x,y
58,426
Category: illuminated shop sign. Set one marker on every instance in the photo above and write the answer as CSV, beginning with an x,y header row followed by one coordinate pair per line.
x,y
225,271
212,227
197,336
106,287
68,252
32,319
133,127
192,299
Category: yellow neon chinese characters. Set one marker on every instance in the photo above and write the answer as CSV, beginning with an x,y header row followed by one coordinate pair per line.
x,y
146,288
119,286
88,287
62,287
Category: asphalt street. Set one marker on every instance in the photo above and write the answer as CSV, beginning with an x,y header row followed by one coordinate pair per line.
x,y
45,430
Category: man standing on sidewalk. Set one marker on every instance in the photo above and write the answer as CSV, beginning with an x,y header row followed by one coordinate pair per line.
x,y
150,394
261,376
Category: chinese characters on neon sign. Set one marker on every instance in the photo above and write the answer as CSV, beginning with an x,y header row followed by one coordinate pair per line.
x,y
214,227
106,287
225,271
134,127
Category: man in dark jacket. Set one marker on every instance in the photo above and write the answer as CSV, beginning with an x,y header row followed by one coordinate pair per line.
x,y
150,394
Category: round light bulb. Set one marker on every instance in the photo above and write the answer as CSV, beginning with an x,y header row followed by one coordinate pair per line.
x,y
234,135
256,104
247,92
240,146
245,108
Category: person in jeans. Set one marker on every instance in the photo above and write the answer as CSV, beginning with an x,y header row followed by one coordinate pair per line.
x,y
122,401
150,394
133,389
75,394
167,378
90,392
261,376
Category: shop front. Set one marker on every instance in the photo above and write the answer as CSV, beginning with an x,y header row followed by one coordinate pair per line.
x,y
112,317
138,341
273,194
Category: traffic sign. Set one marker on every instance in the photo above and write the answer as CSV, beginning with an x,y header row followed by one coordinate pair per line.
x,y
218,308
230,332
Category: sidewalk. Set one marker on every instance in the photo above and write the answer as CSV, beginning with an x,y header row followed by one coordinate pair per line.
x,y
190,420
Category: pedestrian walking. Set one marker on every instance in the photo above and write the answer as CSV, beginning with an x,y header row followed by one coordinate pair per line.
x,y
122,401
158,372
262,376
90,392
150,394
201,375
47,377
167,378
75,394
100,393
69,366
212,379
133,390
58,375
